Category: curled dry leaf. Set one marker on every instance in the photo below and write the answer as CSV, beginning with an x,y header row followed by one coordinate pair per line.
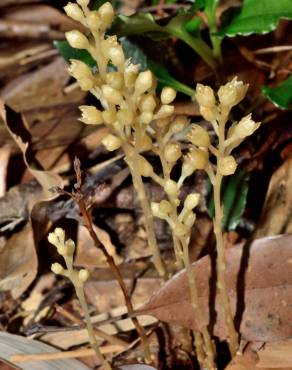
x,y
276,216
17,128
18,262
259,282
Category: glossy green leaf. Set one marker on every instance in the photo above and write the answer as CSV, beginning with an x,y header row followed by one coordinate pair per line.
x,y
137,56
257,16
280,95
198,5
145,24
234,192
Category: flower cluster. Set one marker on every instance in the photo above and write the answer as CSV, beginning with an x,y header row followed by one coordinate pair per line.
x,y
128,99
216,111
66,249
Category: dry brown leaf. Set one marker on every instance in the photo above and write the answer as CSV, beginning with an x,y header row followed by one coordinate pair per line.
x,y
277,211
17,128
43,87
88,255
4,159
15,344
259,281
18,262
275,355
42,14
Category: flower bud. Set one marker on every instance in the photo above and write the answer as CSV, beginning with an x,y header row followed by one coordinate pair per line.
x,y
209,114
53,239
112,96
115,80
86,84
109,116
57,268
191,201
180,229
77,40
199,158
172,152
189,219
168,95
165,207
106,13
70,247
155,208
63,250
90,115
170,187
164,112
145,167
205,96
83,3
73,11
93,20
145,118
199,136
130,74
143,82
245,127
117,56
79,70
147,103
125,116
111,142
178,124
83,275
232,93
227,166
187,167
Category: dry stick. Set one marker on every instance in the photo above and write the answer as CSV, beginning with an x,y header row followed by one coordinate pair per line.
x,y
221,264
78,197
64,354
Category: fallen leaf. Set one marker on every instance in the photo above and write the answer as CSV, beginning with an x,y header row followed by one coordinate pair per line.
x,y
88,255
15,344
259,282
276,216
4,159
136,367
275,355
18,262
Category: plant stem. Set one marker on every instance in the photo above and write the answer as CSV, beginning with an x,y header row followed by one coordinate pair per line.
x,y
221,263
210,363
210,11
133,163
80,294
88,223
79,289
198,45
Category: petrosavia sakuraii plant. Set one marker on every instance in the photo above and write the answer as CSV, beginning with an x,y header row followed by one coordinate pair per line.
x,y
66,249
127,96
216,111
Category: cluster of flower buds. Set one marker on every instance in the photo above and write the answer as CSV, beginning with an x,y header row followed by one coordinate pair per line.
x,y
216,110
182,223
127,96
66,249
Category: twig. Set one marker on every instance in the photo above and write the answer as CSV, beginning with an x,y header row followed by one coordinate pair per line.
x,y
64,354
79,199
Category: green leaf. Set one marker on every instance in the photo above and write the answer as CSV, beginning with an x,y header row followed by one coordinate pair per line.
x,y
198,5
280,95
137,56
68,53
145,24
257,16
234,192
